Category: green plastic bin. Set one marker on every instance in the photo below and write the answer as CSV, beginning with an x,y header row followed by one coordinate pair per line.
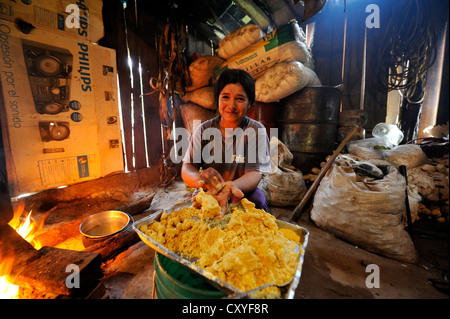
x,y
173,281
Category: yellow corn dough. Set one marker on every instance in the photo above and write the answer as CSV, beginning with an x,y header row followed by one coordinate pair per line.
x,y
246,249
210,207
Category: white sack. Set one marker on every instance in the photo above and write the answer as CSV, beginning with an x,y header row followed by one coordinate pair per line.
x,y
238,40
367,213
286,43
410,155
282,80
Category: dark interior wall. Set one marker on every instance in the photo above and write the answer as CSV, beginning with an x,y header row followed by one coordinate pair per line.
x,y
338,52
443,110
339,46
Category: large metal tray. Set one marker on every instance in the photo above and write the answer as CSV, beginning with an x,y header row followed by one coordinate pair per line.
x,y
287,292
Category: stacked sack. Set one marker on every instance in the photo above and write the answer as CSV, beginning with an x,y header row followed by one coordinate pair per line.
x,y
280,62
199,96
428,190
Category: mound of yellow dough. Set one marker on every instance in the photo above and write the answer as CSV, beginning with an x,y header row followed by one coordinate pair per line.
x,y
247,252
209,206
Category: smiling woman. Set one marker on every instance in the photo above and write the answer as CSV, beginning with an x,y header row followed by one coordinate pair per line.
x,y
224,178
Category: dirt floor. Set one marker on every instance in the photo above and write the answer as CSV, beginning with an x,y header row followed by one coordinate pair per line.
x,y
332,269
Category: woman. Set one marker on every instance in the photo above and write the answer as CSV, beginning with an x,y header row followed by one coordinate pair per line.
x,y
234,149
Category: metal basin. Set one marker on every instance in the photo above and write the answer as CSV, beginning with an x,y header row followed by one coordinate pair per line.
x,y
104,224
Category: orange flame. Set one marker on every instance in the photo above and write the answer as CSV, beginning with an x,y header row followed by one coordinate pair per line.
x,y
28,228
7,290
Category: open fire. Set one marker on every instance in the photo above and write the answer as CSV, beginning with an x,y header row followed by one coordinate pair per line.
x,y
27,227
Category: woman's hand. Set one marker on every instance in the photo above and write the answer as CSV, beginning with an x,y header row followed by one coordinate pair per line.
x,y
211,181
228,191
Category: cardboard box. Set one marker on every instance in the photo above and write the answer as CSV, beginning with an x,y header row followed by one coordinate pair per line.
x,y
81,19
60,114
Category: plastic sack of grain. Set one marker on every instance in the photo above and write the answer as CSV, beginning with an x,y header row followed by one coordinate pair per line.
x,y
410,155
238,40
203,96
286,43
367,213
201,71
282,80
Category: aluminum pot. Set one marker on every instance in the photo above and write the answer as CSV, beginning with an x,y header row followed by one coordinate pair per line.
x,y
104,224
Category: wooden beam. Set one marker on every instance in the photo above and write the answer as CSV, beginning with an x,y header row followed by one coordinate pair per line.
x,y
56,267
14,250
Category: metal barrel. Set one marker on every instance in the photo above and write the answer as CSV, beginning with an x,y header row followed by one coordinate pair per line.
x,y
265,113
307,122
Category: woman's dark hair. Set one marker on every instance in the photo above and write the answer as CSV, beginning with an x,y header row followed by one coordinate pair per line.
x,y
236,76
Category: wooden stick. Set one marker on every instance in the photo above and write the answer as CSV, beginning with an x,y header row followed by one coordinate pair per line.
x,y
299,209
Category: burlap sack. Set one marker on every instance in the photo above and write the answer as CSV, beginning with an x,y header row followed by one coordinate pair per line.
x,y
285,185
202,70
203,96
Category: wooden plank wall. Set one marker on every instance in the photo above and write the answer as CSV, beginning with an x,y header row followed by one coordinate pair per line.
x,y
338,53
132,33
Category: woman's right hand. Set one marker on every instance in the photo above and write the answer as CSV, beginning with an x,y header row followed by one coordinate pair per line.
x,y
211,181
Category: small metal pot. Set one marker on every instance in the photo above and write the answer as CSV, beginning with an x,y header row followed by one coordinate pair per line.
x,y
104,224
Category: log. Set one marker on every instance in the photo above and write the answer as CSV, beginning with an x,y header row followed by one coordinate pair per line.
x,y
113,245
49,272
15,250
138,206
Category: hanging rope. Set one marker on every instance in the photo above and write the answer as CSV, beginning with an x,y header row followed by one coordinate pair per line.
x,y
408,49
173,76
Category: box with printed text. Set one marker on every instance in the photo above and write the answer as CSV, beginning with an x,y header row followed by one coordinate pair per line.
x,y
81,19
59,111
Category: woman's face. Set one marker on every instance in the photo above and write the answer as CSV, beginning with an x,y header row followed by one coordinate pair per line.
x,y
233,104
